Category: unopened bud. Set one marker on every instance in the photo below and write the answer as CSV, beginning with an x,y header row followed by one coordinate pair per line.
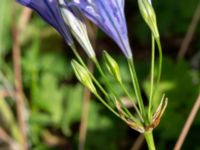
x,y
75,21
148,14
112,66
83,76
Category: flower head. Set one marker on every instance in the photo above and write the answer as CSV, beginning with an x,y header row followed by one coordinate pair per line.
x,y
109,16
49,10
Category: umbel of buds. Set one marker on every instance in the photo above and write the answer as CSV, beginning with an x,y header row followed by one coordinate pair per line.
x,y
67,17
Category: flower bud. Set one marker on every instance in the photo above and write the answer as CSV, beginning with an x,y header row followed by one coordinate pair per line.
x,y
112,66
83,76
148,14
75,21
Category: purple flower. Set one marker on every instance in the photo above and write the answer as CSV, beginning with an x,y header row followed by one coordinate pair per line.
x,y
109,16
49,10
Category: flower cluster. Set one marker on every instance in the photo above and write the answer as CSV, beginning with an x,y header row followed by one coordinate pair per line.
x,y
109,16
67,17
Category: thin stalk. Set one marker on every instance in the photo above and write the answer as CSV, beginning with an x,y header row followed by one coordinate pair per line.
x,y
188,124
136,87
160,59
99,86
77,55
152,76
109,107
115,94
150,141
20,103
133,103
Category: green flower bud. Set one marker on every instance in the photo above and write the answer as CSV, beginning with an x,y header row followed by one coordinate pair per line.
x,y
148,14
112,66
83,76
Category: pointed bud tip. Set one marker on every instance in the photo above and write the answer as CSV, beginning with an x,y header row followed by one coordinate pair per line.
x,y
83,75
112,66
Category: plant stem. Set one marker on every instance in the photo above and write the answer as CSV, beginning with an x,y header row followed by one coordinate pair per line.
x,y
132,100
160,59
114,93
20,103
152,76
136,87
99,85
77,55
109,107
188,124
150,141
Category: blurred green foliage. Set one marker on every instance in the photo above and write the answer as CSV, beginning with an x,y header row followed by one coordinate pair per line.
x,y
54,98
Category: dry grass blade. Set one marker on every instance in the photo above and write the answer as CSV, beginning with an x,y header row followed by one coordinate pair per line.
x,y
20,105
188,124
138,143
190,33
92,32
85,112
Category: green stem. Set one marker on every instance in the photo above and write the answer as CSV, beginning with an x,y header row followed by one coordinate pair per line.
x,y
109,107
160,59
152,76
99,85
77,55
150,141
133,102
136,87
112,90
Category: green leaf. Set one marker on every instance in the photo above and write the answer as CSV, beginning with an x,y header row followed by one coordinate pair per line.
x,y
5,25
72,107
48,97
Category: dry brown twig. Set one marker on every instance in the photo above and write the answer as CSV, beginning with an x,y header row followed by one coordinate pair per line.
x,y
188,124
20,104
85,112
138,143
184,47
24,18
92,30
190,33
